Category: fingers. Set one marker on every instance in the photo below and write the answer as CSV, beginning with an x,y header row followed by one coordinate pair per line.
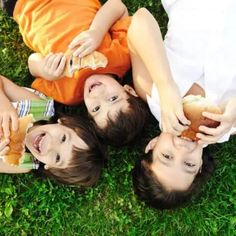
x,y
77,41
213,116
4,149
54,64
5,126
61,67
206,139
182,119
5,121
14,122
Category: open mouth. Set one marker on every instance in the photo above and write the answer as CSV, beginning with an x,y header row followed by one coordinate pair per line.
x,y
94,86
38,142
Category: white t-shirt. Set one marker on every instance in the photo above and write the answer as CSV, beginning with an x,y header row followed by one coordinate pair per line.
x,y
200,46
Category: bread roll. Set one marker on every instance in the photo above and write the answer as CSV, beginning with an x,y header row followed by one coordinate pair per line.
x,y
193,106
17,141
93,60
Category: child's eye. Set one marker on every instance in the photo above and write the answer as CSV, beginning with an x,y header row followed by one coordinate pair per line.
x,y
113,98
58,158
166,156
95,109
63,138
189,164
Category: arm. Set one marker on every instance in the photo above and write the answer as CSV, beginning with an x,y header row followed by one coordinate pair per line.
x,y
10,92
150,65
49,67
106,16
5,168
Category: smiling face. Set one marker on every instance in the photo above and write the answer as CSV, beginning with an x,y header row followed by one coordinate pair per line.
x,y
104,97
53,144
176,161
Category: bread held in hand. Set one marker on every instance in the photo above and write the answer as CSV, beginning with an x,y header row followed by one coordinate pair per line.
x,y
17,141
193,106
93,60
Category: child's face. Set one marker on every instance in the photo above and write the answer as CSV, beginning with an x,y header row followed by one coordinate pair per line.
x,y
53,144
104,97
176,161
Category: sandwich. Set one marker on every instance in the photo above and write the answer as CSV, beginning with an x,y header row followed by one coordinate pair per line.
x,y
194,106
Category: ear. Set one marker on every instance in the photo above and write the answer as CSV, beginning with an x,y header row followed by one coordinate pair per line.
x,y
46,167
151,144
130,90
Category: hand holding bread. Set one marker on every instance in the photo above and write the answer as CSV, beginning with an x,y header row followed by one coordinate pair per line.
x,y
195,107
86,42
93,61
12,149
227,120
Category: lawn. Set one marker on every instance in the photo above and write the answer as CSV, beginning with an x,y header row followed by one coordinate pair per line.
x,y
30,206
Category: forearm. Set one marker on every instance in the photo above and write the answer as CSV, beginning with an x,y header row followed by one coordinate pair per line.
x,y
146,40
8,169
35,64
11,92
107,15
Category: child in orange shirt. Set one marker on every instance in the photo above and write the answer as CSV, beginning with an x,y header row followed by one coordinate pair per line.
x,y
51,26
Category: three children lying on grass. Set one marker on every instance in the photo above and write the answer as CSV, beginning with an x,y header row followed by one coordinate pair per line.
x,y
118,112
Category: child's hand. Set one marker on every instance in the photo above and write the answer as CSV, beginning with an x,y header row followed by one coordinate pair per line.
x,y
4,149
8,115
88,41
227,119
173,119
53,66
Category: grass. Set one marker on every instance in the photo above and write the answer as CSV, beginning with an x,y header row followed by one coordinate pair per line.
x,y
30,206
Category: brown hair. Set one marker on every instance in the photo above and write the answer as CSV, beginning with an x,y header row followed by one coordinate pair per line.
x,y
153,193
127,125
86,164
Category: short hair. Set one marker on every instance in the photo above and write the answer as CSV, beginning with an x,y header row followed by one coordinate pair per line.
x,y
127,124
86,164
154,194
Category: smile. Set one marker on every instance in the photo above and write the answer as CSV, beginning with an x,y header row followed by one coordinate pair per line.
x,y
37,144
94,86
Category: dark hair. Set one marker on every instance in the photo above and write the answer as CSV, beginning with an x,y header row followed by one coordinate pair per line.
x,y
86,164
127,125
153,193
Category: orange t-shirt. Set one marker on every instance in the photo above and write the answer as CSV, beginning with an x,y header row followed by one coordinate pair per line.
x,y
50,25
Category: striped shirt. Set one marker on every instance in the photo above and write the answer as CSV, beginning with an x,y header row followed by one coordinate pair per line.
x,y
41,109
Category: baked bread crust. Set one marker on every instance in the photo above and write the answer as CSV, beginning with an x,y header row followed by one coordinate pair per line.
x,y
93,61
193,106
17,141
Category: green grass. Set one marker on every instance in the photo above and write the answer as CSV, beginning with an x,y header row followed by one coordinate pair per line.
x,y
30,206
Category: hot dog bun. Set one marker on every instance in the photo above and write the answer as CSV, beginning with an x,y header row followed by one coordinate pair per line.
x,y
193,106
17,141
93,60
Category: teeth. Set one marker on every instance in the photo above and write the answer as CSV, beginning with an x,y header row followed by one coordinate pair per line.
x,y
38,142
185,138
